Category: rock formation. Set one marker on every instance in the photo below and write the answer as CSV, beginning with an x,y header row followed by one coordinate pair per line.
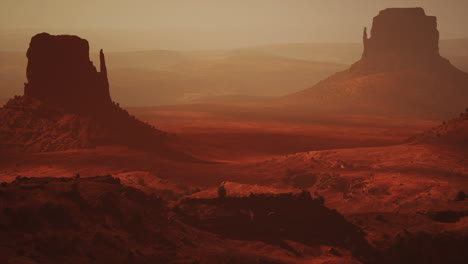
x,y
401,31
400,72
67,105
402,38
60,73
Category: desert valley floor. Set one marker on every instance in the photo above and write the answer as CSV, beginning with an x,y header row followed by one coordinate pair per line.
x,y
365,167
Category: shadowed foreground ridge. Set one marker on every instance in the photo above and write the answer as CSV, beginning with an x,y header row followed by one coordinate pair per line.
x,y
100,220
400,72
81,220
67,104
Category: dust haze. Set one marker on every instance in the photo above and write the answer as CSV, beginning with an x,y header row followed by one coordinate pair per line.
x,y
121,25
265,132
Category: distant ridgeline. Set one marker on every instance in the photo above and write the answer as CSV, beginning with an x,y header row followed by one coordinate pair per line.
x,y
400,72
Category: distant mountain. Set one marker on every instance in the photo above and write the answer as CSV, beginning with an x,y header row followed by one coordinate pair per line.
x,y
257,74
144,87
342,53
185,77
348,53
149,60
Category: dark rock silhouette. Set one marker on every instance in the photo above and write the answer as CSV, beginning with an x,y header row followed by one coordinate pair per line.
x,y
400,72
60,73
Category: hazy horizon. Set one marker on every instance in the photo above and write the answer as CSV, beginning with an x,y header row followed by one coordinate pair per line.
x,y
208,24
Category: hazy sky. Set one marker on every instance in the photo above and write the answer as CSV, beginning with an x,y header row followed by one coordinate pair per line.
x,y
209,24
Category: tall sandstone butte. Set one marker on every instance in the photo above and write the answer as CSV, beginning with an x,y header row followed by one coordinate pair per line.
x,y
405,31
67,105
60,73
400,72
402,38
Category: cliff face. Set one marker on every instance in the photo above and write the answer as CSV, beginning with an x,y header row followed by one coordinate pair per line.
x,y
60,73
